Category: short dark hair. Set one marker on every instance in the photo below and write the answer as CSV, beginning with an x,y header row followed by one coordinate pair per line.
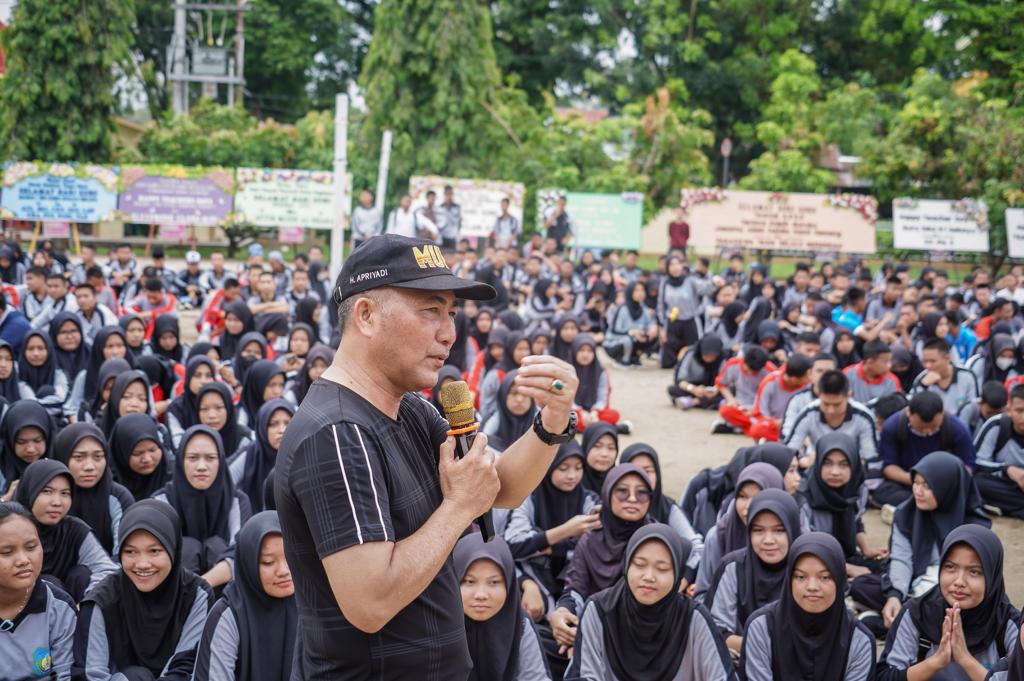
x,y
926,405
153,284
755,357
54,275
431,193
834,382
993,393
123,244
854,294
887,405
86,287
939,344
808,337
231,282
36,271
1017,392
798,365
12,509
94,271
824,357
875,348
894,280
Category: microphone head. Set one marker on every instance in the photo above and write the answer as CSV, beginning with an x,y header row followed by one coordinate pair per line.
x,y
457,403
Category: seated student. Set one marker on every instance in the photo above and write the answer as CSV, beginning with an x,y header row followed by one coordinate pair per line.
x,y
871,378
773,396
738,382
92,410
138,459
634,328
566,329
597,561
996,360
593,394
909,436
503,642
166,342
543,531
238,321
110,343
993,402
512,417
8,375
73,559
183,412
944,498
144,622
540,341
964,626
833,412
492,352
317,360
663,507
39,377
72,355
263,382
135,330
728,327
808,633
820,363
301,339
37,619
26,435
516,347
251,466
644,626
1000,458
95,498
956,386
250,633
211,509
600,450
833,500
844,348
752,577
694,378
217,410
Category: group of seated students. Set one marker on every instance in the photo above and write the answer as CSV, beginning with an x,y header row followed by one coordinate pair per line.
x,y
138,540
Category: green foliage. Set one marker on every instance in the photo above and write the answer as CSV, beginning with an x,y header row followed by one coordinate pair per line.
x,y
153,30
57,94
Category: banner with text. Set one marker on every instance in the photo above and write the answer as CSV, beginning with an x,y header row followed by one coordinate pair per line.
x,y
929,225
271,197
727,219
480,200
610,221
58,192
1015,232
176,195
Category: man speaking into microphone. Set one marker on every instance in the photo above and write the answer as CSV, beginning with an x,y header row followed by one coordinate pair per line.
x,y
371,496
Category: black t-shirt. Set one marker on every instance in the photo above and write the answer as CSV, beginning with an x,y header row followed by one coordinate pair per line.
x,y
348,474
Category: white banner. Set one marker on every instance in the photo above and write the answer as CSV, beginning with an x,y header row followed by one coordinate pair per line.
x,y
1015,232
929,225
480,200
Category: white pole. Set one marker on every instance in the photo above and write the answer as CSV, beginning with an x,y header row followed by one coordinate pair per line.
x,y
382,169
179,89
340,171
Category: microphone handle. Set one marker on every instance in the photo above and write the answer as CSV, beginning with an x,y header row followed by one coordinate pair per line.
x,y
486,521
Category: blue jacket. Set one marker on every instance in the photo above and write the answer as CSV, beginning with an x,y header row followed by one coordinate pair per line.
x,y
13,328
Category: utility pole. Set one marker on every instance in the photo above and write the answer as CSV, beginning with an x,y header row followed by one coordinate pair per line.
x,y
340,173
209,64
179,92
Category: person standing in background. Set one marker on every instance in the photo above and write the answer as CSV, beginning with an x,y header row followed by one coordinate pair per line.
x,y
450,214
367,219
678,233
506,228
558,225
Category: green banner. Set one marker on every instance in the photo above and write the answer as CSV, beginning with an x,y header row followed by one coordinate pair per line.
x,y
610,221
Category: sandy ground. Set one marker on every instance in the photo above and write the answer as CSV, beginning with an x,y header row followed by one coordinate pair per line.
x,y
685,446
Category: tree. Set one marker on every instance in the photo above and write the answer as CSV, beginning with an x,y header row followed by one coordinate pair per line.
x,y
57,94
152,31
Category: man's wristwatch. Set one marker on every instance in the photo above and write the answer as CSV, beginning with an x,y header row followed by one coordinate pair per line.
x,y
555,438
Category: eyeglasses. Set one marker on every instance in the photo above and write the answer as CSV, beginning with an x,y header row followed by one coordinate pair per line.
x,y
623,494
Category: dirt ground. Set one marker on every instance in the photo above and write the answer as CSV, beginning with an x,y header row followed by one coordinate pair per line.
x,y
685,446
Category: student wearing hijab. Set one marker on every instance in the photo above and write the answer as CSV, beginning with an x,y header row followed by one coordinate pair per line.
x,y
263,382
964,626
250,633
110,343
92,411
844,348
905,366
694,378
217,410
663,507
491,354
72,355
253,345
445,375
316,362
935,325
513,415
73,558
944,498
300,341
129,395
253,464
9,390
238,321
600,449
730,532
633,330
566,330
135,336
481,327
517,346
808,633
212,510
309,311
144,622
39,377
137,454
729,326
37,619
462,354
997,360
503,643
96,498
26,434
543,302
593,396
166,342
540,341
597,561
184,410
752,577
643,627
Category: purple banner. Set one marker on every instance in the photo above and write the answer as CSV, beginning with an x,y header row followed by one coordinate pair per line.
x,y
162,200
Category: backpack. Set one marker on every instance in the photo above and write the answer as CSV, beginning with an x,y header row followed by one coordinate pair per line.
x,y
945,432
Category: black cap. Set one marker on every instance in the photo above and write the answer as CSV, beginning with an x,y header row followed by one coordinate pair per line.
x,y
403,262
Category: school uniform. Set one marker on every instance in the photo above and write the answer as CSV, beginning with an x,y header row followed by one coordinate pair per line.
x,y
962,389
251,466
40,639
999,446
859,424
864,389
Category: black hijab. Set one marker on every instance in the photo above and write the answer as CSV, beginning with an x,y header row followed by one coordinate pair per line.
x,y
256,380
732,531
843,502
267,626
9,386
160,374
647,642
635,309
538,333
508,362
457,355
302,382
498,336
129,431
982,624
730,317
929,325
601,550
261,457
661,505
229,342
511,320
133,352
41,378
814,647
587,393
111,413
775,453
593,479
9,274
231,434
999,343
202,348
510,426
479,336
902,357
304,311
959,504
204,513
552,506
701,372
760,311
111,369
62,541
447,373
91,504
493,644
93,385
167,323
143,627
311,337
849,359
71,363
21,415
185,407
559,348
251,337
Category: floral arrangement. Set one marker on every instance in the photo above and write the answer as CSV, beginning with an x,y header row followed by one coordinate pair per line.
x,y
245,176
867,206
15,172
693,197
975,210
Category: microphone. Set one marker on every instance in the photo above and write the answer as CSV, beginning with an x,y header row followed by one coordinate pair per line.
x,y
457,404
